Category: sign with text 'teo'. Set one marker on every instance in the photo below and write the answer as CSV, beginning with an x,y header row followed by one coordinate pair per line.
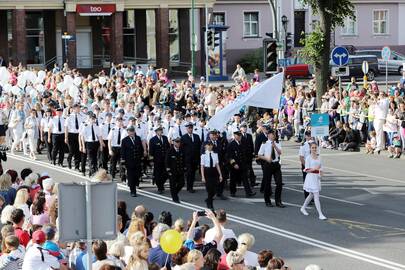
x,y
319,124
340,56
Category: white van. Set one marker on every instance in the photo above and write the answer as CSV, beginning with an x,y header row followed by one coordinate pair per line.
x,y
394,64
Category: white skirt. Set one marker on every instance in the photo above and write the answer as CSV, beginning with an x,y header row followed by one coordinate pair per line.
x,y
312,182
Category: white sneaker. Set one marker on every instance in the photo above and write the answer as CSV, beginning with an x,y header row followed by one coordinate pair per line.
x,y
322,217
304,212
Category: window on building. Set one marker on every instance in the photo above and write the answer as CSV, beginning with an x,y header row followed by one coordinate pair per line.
x,y
34,24
251,24
129,35
174,40
150,34
380,19
349,27
219,18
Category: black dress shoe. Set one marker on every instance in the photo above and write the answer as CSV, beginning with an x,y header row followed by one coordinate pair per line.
x,y
191,190
133,194
176,200
61,165
268,204
250,195
70,166
280,205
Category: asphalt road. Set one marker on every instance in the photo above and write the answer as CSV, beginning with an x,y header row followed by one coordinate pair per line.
x,y
362,195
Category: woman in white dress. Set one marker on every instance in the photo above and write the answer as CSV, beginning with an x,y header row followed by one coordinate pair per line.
x,y
17,124
31,128
312,184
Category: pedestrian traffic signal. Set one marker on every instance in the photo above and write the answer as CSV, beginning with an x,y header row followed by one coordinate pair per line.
x,y
217,37
288,44
270,55
210,38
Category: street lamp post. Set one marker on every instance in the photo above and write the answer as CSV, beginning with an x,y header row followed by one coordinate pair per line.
x,y
65,38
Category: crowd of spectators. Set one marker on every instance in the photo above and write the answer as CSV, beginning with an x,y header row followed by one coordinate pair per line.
x,y
29,235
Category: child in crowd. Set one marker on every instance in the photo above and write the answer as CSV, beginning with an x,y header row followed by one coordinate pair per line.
x,y
395,149
371,143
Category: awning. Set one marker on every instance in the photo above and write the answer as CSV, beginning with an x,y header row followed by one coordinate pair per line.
x,y
95,9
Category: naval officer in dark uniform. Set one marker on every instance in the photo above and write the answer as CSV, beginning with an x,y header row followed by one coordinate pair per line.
x,y
158,148
175,169
131,153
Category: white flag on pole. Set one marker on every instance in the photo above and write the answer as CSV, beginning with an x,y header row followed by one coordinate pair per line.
x,y
264,95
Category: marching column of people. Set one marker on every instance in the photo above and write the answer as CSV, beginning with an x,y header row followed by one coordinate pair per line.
x,y
122,144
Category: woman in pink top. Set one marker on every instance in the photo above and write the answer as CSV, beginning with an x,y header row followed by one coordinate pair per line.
x,y
39,211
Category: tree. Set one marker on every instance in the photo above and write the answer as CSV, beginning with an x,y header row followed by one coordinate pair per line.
x,y
332,13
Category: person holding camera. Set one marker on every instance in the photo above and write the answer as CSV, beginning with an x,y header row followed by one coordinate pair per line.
x,y
195,236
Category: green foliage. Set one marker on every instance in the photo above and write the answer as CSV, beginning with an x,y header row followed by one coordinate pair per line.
x,y
335,10
252,60
313,46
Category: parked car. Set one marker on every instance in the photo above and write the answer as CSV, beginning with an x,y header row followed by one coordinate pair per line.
x,y
296,68
394,65
355,63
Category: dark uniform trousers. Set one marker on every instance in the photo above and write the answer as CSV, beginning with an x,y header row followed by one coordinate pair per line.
x,y
73,139
133,175
270,170
115,158
91,154
225,175
211,184
191,168
105,156
159,174
239,176
58,142
48,146
175,165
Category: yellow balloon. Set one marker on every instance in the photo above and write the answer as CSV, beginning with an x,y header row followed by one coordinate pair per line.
x,y
171,241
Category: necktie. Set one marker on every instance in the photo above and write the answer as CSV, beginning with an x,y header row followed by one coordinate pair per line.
x,y
215,143
76,122
109,128
93,136
202,134
160,139
59,125
97,122
211,161
273,153
119,136
180,131
191,137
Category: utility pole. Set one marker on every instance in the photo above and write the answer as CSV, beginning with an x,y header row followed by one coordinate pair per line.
x,y
193,41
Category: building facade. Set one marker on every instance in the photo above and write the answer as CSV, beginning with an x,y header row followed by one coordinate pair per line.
x,y
100,32
378,23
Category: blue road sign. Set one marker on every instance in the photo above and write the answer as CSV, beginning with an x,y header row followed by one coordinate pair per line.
x,y
340,56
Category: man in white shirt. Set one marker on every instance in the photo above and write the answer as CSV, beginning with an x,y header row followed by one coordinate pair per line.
x,y
227,233
270,153
380,115
37,258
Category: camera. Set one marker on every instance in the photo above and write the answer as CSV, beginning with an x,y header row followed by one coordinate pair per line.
x,y
4,148
201,213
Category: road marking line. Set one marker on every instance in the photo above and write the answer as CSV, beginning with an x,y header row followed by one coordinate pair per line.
x,y
250,223
260,200
356,173
395,212
327,197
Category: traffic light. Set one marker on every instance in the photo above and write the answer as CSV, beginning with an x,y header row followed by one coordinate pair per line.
x,y
288,44
210,38
217,37
270,55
